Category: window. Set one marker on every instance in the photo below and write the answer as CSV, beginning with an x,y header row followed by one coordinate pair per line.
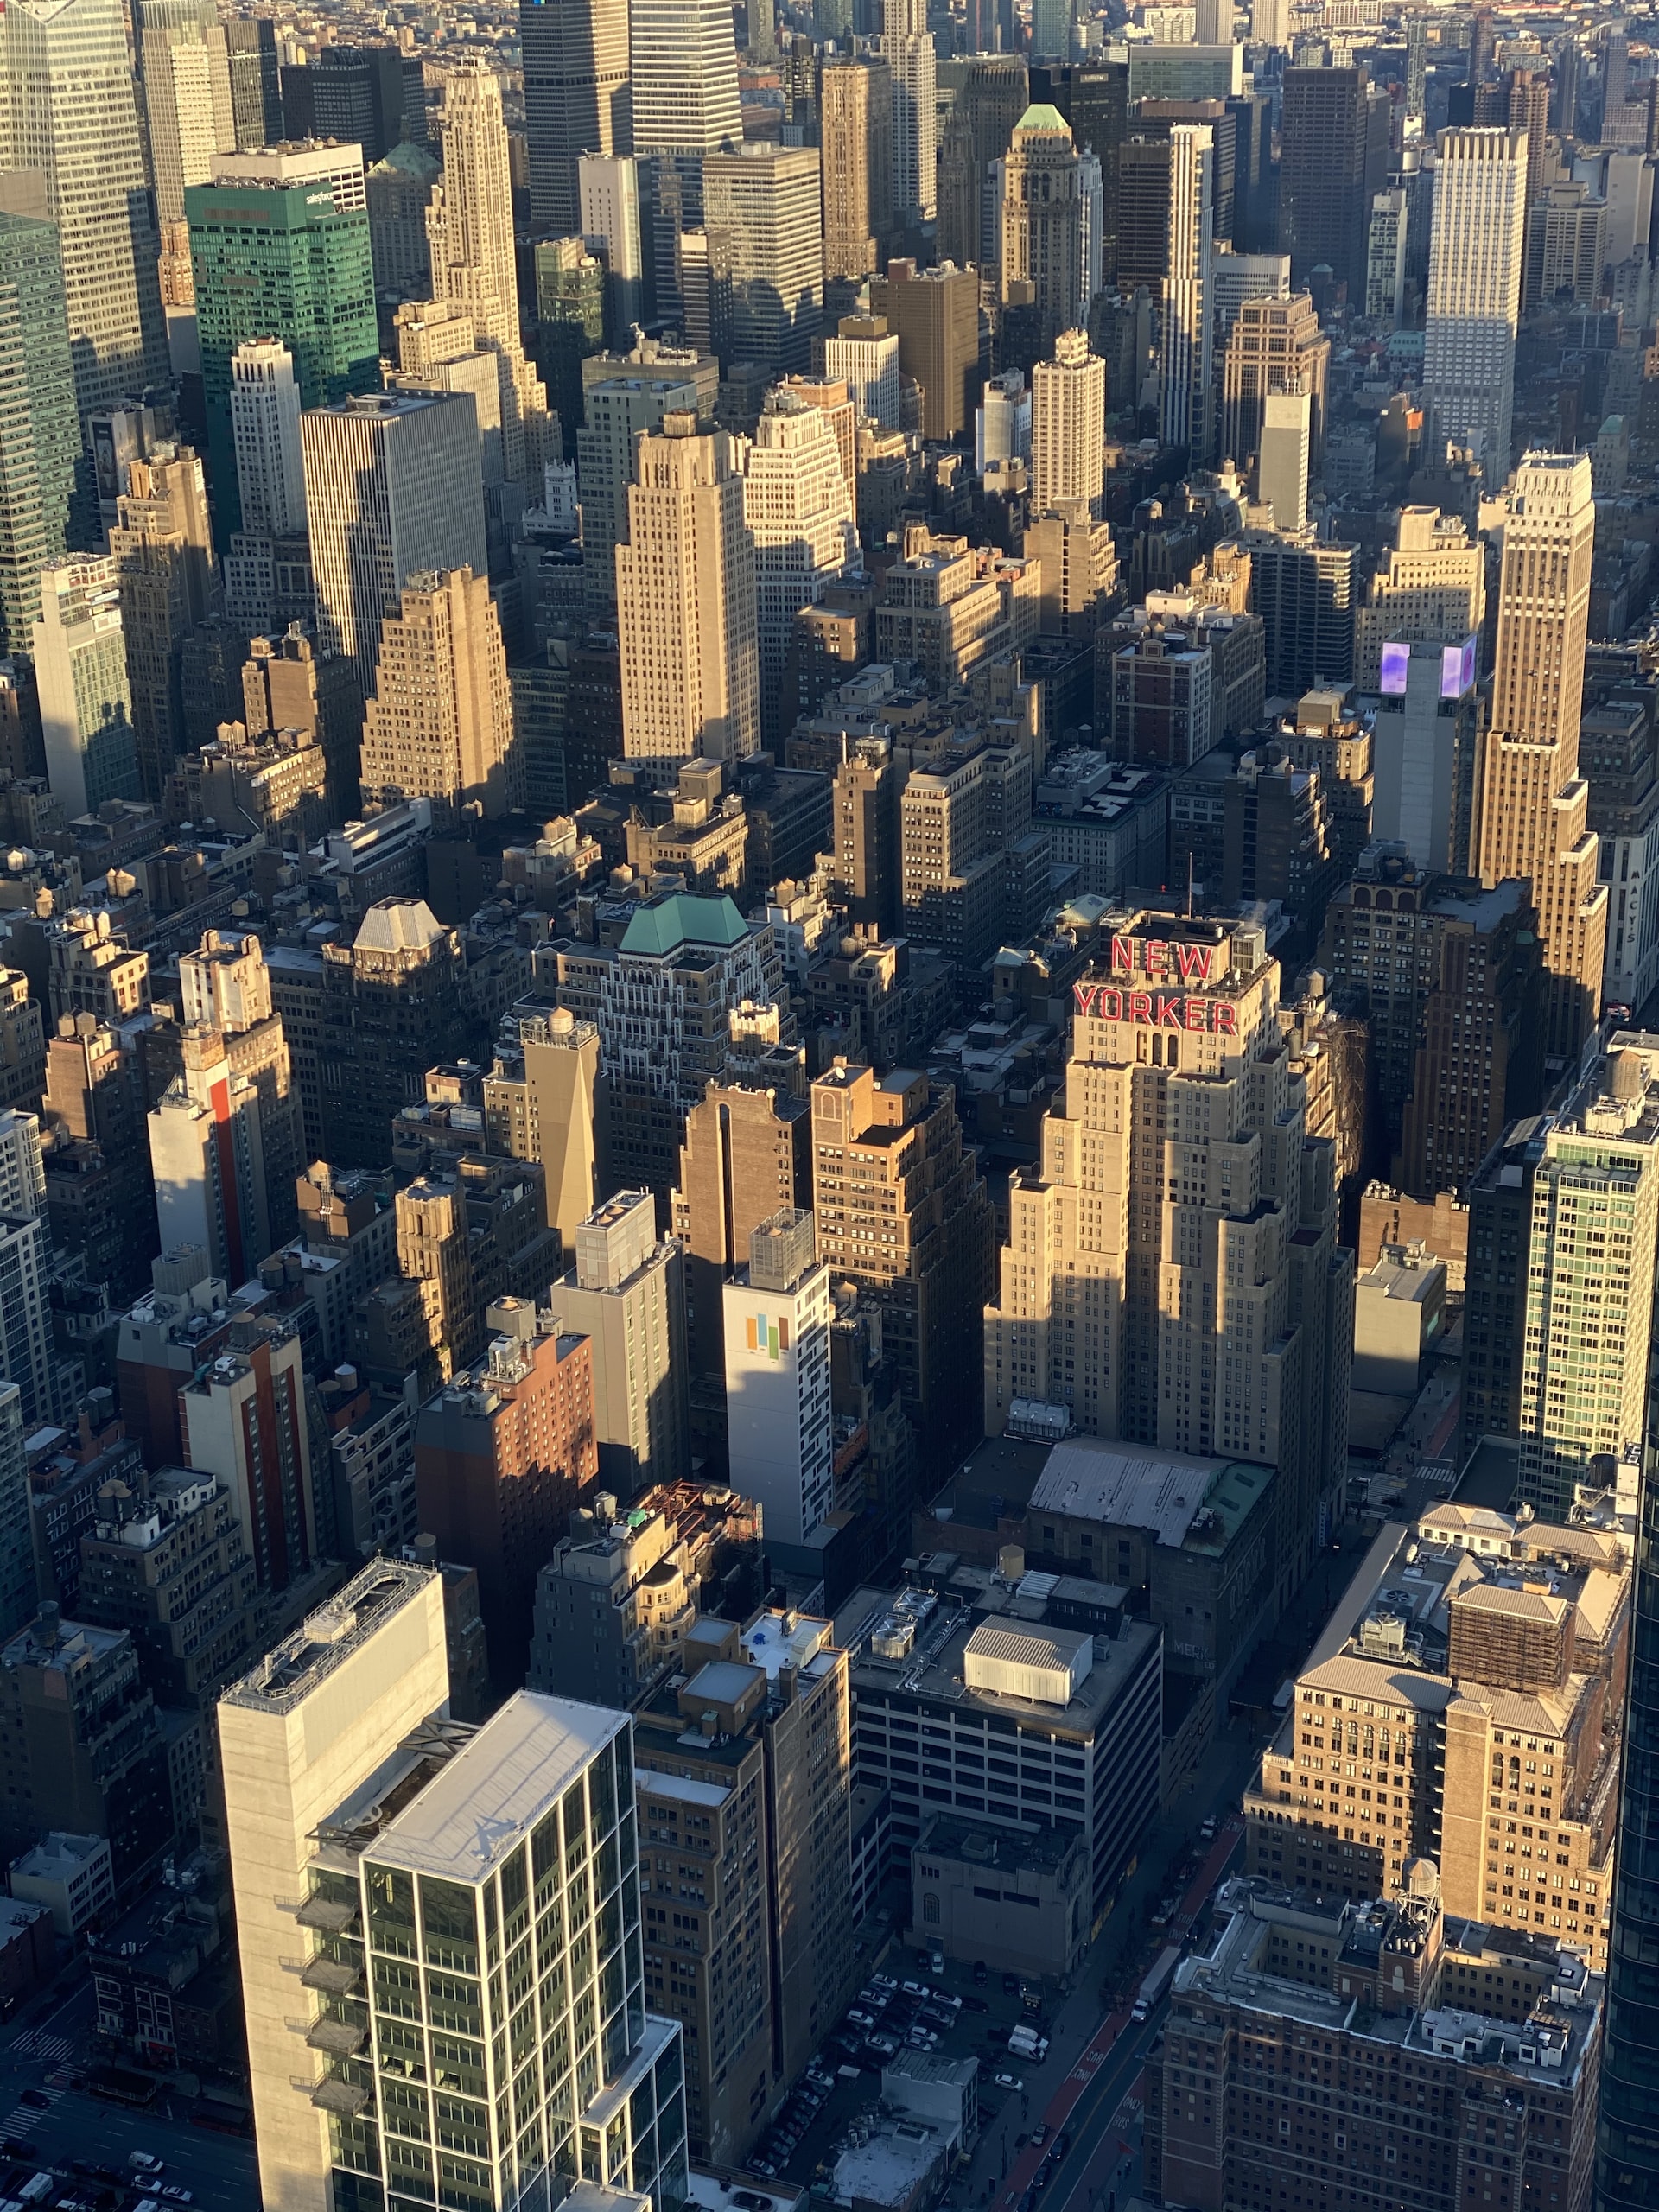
x,y
930,1907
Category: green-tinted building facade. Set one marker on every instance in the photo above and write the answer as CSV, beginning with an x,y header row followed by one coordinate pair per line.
x,y
40,429
570,323
279,261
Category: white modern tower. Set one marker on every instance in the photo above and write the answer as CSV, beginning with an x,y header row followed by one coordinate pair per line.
x,y
266,425
798,506
1477,251
1068,426
777,1336
908,47
683,62
1187,380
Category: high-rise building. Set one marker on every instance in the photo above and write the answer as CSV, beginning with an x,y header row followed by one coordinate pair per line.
x,y
265,424
392,487
1302,587
902,1212
316,1719
469,226
541,1107
746,1157
1476,254
352,94
69,112
781,1446
856,97
280,247
1326,180
1532,803
682,69
1216,1320
626,1294
163,551
184,64
439,723
907,48
616,409
1274,345
18,1593
576,100
242,1416
686,603
397,190
765,203
39,428
1429,587
990,99
1042,223
501,1455
209,1160
935,315
255,81
798,509
1068,426
612,1604
80,668
1002,421
1281,461
864,355
1186,369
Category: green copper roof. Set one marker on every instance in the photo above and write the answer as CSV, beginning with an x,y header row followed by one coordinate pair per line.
x,y
1040,116
665,925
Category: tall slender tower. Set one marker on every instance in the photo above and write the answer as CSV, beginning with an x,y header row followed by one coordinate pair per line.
x,y
265,424
908,43
186,66
685,588
162,547
683,59
40,432
798,507
576,99
469,227
1068,426
1533,804
1042,219
1476,253
1186,382
66,108
440,724
856,99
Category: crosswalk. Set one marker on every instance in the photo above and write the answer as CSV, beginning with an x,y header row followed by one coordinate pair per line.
x,y
32,2044
23,2120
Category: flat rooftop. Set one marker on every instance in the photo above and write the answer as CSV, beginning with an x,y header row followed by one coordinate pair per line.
x,y
327,1638
478,1807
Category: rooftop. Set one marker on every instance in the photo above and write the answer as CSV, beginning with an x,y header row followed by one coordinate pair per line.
x,y
1142,1488
327,1638
661,927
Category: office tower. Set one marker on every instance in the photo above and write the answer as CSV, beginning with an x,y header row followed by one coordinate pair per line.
x,y
745,1156
935,315
88,1755
469,225
439,722
570,293
49,1386
1566,245
66,82
1084,1324
1302,587
857,148
989,101
777,1424
576,100
255,81
627,1294
544,1111
1042,221
275,254
612,228
1532,803
185,67
682,65
1253,1993
1386,262
686,603
315,1720
1324,191
1476,247
1002,421
1282,456
960,826
313,163
1425,750
392,487
766,203
1185,368
39,427
864,354
1052,28
265,426
501,1455
208,1162
906,1217
1430,587
798,510
397,191
624,397
18,1593
907,49
1273,346
1068,426
613,1604
80,668
98,1172
162,552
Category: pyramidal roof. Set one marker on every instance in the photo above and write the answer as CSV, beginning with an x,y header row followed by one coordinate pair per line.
x,y
666,924
1040,116
398,925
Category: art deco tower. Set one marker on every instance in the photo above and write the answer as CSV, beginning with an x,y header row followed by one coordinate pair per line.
x,y
1042,220
440,724
1476,254
1532,804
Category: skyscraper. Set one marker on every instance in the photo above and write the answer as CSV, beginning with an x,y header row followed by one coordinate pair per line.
x,y
686,603
765,202
798,509
40,431
162,550
857,99
778,1422
185,64
1323,200
544,1111
1272,346
1282,457
576,99
469,225
393,486
439,725
276,251
1068,426
683,63
255,81
935,315
1532,804
66,108
1042,221
266,425
1209,1315
991,99
1476,254
907,48
1186,370
626,1294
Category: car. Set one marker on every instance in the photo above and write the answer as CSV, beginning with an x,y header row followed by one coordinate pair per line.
x,y
883,1982
1138,2012
1207,1828
1039,2133
1062,2143
1027,2199
974,2005
176,2190
860,2019
764,2168
921,2039
948,1999
884,2046
935,1961
750,2199
1009,2082
914,1988
981,1974
1010,1985
935,2015
36,2098
1021,2141
145,2162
